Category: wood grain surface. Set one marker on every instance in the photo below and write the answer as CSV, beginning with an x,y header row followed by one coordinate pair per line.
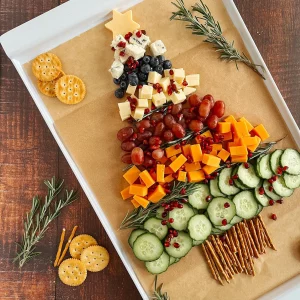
x,y
29,154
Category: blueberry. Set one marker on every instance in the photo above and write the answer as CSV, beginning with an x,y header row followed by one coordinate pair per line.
x,y
145,68
167,64
133,79
123,77
117,81
154,62
161,58
119,93
159,69
126,68
142,76
123,85
146,59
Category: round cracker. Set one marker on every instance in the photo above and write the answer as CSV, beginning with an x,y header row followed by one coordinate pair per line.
x,y
70,89
95,258
46,67
72,272
79,243
48,87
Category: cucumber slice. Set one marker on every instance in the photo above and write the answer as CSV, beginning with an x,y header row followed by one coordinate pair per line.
x,y
216,231
260,208
199,227
181,217
291,181
246,205
154,225
134,234
256,166
198,198
197,243
159,213
264,167
275,160
241,186
262,199
214,188
217,212
247,176
291,159
235,220
160,265
147,247
185,242
270,194
224,228
172,260
224,185
281,189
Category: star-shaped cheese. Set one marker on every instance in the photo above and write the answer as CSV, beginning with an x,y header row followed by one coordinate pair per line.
x,y
122,23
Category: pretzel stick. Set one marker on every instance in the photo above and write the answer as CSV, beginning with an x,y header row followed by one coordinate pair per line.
x,y
257,228
236,264
67,245
230,237
62,238
213,271
266,232
214,266
263,236
246,238
218,264
237,243
247,246
227,259
267,240
253,232
246,258
255,252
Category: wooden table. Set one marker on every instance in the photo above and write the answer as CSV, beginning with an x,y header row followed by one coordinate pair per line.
x,y
29,154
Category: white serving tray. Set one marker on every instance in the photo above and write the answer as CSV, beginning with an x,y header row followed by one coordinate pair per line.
x,y
36,36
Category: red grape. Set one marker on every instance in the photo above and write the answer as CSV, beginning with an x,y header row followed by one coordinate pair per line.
x,y
158,154
128,146
126,158
176,109
168,135
204,108
125,133
211,99
144,124
169,120
144,136
178,131
195,125
212,121
157,117
182,123
194,100
188,114
155,140
148,161
159,129
137,156
219,108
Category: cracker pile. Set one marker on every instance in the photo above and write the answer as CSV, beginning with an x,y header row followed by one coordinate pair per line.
x,y
86,254
53,82
235,251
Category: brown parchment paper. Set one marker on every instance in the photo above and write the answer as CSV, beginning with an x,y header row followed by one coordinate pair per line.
x,y
88,131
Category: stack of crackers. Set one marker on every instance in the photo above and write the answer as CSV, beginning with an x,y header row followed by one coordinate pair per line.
x,y
53,82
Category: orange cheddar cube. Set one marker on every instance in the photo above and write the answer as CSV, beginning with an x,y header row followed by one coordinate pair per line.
x,y
163,160
168,171
192,167
171,151
169,178
223,154
240,129
160,173
248,141
238,150
261,132
196,176
135,204
141,201
252,148
125,193
178,162
173,158
213,152
138,189
240,158
224,127
147,179
217,147
236,142
211,160
209,169
231,119
207,133
196,152
186,150
227,136
248,124
182,176
157,195
132,175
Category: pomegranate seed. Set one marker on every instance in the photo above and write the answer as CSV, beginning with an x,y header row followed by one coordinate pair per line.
x,y
271,202
250,154
175,233
122,53
168,239
171,72
138,34
171,220
176,245
180,206
184,83
167,244
280,201
285,168
271,188
183,143
222,238
230,182
274,217
170,236
224,222
175,203
143,31
171,208
261,191
183,191
122,44
113,49
226,205
208,198
177,146
271,180
164,204
128,36
164,214
183,201
236,176
246,165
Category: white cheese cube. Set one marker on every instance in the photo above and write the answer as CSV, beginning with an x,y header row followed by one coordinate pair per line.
x,y
146,92
119,38
158,48
179,75
135,51
119,57
178,86
131,89
168,97
193,80
159,99
154,77
167,73
142,41
165,82
189,90
143,103
178,97
116,69
125,111
138,113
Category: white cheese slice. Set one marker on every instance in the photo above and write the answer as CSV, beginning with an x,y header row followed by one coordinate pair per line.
x,y
135,51
131,89
165,82
178,97
122,59
179,75
142,41
189,90
116,69
193,79
154,77
143,103
125,111
158,48
146,92
138,113
159,99
119,38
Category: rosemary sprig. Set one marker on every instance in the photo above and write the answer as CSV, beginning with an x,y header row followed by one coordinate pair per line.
x,y
158,294
211,29
39,218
